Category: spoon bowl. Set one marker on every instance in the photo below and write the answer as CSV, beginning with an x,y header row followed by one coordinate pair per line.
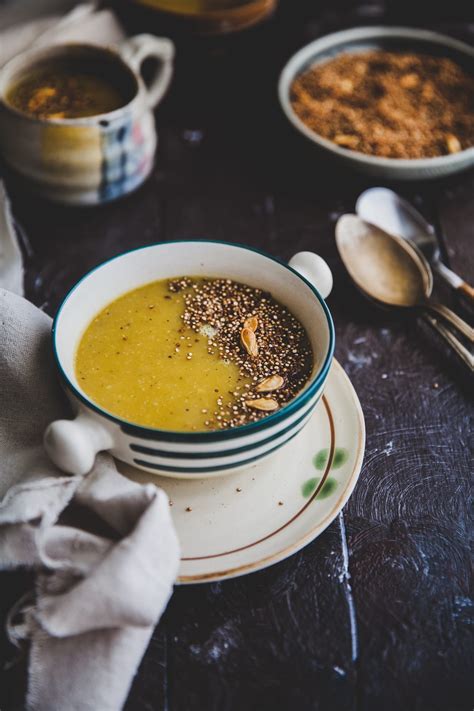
x,y
382,265
387,210
390,270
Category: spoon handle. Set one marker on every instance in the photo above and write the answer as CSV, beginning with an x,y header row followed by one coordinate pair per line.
x,y
467,290
453,319
454,280
452,341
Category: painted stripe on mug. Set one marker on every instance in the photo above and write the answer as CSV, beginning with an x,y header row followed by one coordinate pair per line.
x,y
222,467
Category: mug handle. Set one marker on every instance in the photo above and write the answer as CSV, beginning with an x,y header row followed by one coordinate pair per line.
x,y
315,270
135,50
73,444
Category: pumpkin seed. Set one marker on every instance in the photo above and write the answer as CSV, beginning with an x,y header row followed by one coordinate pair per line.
x,y
263,403
249,341
251,322
267,385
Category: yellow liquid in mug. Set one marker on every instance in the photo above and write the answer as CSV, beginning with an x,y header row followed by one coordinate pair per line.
x,y
133,361
60,92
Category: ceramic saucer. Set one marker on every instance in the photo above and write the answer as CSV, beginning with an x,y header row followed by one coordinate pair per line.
x,y
246,521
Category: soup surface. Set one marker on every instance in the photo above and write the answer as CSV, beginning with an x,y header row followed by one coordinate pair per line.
x,y
193,354
57,91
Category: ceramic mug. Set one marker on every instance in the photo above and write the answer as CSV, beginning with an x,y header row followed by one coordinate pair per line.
x,y
90,160
302,286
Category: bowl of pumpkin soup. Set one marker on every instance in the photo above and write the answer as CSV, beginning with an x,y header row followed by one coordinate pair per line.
x,y
192,358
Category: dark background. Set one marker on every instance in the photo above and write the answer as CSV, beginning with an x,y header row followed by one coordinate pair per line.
x,y
376,614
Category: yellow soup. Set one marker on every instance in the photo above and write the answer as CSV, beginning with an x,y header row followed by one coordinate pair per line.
x,y
138,361
194,354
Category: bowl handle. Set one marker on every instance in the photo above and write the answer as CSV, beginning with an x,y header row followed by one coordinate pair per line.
x,y
315,270
73,444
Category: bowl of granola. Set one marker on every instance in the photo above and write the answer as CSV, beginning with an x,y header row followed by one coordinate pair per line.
x,y
395,103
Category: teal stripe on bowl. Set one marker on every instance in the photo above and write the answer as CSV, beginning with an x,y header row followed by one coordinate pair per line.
x,y
222,453
222,467
217,435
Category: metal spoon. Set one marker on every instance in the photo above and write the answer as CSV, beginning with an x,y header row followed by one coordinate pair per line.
x,y
386,209
390,270
451,340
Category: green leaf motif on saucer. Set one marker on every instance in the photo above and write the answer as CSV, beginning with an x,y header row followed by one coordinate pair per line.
x,y
321,457
310,485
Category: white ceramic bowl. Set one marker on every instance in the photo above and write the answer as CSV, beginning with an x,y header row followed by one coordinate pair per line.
x,y
388,38
301,286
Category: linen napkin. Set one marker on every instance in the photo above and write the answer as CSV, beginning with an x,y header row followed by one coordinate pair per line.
x,y
97,598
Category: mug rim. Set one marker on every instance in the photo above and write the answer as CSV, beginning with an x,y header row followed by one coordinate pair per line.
x,y
32,54
204,436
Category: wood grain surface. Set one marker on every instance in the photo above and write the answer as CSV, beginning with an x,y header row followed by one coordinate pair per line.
x,y
376,614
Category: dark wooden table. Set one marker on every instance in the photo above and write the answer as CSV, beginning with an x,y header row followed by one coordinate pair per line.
x,y
375,614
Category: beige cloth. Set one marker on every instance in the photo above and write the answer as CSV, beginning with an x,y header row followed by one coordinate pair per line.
x,y
97,598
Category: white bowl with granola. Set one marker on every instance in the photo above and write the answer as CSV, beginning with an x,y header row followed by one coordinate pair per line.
x,y
416,133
